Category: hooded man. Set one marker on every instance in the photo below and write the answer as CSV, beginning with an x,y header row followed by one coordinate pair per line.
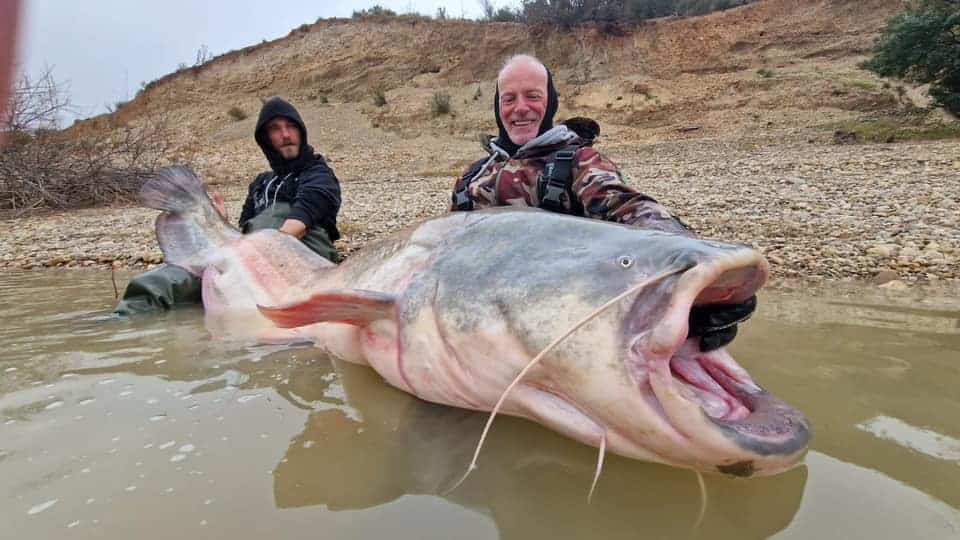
x,y
534,163
299,195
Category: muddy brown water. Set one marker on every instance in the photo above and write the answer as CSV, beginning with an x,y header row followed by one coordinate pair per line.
x,y
149,428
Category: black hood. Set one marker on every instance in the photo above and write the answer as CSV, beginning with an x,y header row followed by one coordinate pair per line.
x,y
553,101
271,109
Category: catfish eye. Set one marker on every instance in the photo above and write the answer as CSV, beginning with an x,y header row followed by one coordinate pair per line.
x,y
625,261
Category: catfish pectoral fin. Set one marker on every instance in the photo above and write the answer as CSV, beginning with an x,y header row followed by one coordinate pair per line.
x,y
350,306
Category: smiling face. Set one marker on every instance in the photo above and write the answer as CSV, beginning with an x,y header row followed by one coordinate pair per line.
x,y
523,99
284,136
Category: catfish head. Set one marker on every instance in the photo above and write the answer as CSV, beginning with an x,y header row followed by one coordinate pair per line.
x,y
632,378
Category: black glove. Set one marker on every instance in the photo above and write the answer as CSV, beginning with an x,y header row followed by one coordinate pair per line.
x,y
716,324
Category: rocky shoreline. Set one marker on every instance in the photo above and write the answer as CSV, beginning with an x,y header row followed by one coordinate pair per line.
x,y
887,214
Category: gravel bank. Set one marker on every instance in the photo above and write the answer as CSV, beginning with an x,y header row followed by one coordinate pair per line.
x,y
887,214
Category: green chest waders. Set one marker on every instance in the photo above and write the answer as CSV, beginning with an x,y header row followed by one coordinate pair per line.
x,y
273,217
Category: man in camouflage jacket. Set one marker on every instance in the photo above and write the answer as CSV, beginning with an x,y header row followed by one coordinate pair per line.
x,y
525,152
524,106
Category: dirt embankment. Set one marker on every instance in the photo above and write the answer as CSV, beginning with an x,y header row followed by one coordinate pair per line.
x,y
729,119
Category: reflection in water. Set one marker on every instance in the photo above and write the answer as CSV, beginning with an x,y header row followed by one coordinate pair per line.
x,y
531,482
843,500
149,428
928,442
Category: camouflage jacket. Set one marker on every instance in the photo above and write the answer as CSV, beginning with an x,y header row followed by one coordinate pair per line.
x,y
501,180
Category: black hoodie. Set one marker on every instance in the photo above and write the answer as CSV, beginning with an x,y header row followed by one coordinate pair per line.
x,y
306,182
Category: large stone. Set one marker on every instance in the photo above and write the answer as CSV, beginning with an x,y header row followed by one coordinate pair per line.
x,y
909,252
895,285
885,276
882,250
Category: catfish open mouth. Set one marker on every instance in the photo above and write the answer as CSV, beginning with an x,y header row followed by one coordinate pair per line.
x,y
679,371
749,415
706,378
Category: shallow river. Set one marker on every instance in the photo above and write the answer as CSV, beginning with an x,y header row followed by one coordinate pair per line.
x,y
148,428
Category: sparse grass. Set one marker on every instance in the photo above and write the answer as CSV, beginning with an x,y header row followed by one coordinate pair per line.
x,y
847,79
237,113
454,170
869,86
477,93
440,103
892,130
350,228
379,98
765,73
440,173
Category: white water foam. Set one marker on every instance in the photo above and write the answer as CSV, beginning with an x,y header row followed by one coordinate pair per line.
x,y
41,507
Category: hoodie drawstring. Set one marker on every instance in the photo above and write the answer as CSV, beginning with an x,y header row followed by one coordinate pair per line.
x,y
265,198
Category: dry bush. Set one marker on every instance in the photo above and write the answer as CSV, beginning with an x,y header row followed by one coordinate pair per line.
x,y
50,170
43,167
237,113
35,104
440,103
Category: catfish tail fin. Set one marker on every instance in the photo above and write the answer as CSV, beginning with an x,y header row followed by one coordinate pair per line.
x,y
174,189
190,230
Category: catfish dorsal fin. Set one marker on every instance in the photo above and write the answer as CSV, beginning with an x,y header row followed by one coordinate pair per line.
x,y
350,306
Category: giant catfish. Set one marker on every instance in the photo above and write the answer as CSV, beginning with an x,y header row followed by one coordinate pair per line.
x,y
452,309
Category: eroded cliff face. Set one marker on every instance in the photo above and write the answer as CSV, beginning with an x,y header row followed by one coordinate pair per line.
x,y
786,62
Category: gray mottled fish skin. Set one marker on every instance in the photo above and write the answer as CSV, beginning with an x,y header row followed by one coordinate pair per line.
x,y
452,309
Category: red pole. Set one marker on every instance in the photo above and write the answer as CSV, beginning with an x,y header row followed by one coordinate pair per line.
x,y
9,14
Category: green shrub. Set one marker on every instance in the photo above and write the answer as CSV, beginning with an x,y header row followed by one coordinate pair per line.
x,y
888,130
572,12
379,98
922,44
440,103
375,11
505,14
115,106
765,73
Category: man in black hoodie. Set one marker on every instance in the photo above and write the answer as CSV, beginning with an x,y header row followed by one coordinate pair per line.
x,y
299,195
